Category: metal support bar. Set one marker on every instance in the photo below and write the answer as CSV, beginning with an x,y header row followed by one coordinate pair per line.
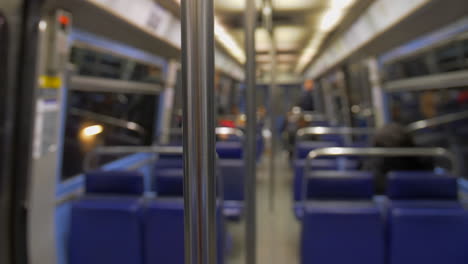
x,y
334,130
116,150
437,121
344,131
250,17
374,152
199,131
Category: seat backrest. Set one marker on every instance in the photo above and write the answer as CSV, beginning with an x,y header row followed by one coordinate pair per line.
x,y
169,182
340,185
164,232
233,174
105,224
318,165
422,185
230,149
428,235
427,224
169,163
341,223
114,183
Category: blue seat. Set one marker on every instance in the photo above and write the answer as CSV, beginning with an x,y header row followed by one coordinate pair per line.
x,y
169,163
169,182
338,230
427,223
114,182
232,172
340,185
319,165
421,185
229,149
164,232
428,235
106,223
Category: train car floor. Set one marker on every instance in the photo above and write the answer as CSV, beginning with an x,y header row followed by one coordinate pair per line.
x,y
277,228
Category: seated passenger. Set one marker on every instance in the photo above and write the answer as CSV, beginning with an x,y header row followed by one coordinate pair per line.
x,y
393,136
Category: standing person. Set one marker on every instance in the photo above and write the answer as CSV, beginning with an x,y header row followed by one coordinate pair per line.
x,y
306,102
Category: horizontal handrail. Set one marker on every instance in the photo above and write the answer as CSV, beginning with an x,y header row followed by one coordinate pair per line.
x,y
109,120
374,152
334,130
100,84
219,131
437,121
113,150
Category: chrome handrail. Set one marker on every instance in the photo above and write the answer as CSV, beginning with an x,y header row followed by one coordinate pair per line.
x,y
218,130
334,130
437,121
112,150
374,152
109,120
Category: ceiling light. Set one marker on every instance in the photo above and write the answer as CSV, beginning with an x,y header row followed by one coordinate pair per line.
x,y
228,42
93,130
341,3
330,19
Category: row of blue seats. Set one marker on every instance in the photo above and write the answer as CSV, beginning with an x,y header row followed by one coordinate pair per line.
x,y
231,171
421,222
302,150
113,223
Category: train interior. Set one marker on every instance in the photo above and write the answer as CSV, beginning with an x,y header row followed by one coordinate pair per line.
x,y
350,149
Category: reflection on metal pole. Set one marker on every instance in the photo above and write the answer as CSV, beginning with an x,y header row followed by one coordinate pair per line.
x,y
199,131
268,18
250,17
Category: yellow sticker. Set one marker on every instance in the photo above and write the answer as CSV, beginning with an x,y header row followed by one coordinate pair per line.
x,y
50,82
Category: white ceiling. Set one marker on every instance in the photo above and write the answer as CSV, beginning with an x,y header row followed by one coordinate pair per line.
x,y
300,26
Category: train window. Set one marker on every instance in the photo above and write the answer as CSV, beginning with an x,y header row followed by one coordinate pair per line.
x,y
415,66
465,53
89,62
105,119
448,57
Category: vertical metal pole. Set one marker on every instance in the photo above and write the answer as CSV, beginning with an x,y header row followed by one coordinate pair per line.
x,y
250,17
199,131
274,103
380,108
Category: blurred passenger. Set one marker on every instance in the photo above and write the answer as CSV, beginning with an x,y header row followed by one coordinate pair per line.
x,y
428,104
306,102
393,136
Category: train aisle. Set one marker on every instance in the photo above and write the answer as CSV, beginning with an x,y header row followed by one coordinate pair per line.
x,y
277,229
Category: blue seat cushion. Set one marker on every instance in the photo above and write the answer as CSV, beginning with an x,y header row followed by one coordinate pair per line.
x,y
169,182
428,235
106,230
340,185
229,149
421,185
114,182
336,232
